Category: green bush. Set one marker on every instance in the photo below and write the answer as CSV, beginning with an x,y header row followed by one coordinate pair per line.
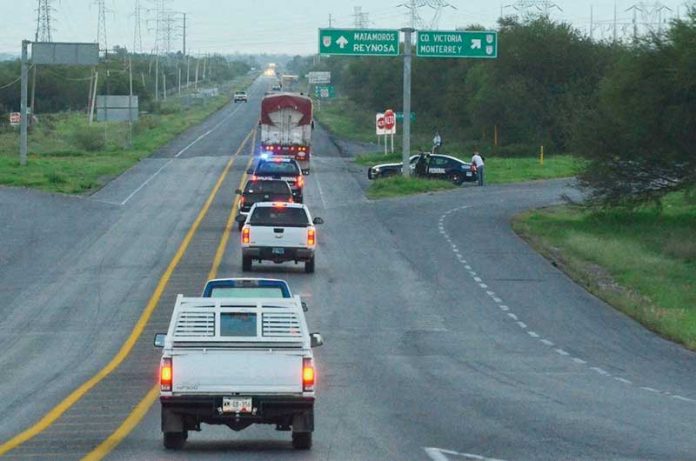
x,y
89,138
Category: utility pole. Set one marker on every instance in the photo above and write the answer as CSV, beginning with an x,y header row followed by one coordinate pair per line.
x,y
23,142
591,22
130,101
184,34
406,148
188,71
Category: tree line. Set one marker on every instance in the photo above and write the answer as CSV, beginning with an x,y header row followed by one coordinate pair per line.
x,y
629,108
66,88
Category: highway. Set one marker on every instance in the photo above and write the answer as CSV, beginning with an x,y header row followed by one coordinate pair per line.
x,y
446,336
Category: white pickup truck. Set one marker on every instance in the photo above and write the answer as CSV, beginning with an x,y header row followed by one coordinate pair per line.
x,y
237,362
278,232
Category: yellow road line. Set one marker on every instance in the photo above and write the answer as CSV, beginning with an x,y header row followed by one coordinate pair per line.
x,y
139,412
230,221
126,427
57,411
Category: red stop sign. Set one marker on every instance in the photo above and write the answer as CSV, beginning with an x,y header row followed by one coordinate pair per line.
x,y
389,119
380,123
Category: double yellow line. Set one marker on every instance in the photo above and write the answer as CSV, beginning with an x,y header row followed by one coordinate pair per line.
x,y
139,411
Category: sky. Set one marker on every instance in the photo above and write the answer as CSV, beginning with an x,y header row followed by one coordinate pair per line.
x,y
283,26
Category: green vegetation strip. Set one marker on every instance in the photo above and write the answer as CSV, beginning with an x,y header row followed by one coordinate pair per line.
x,y
642,262
397,186
67,155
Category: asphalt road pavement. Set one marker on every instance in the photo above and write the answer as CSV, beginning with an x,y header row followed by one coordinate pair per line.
x,y
446,336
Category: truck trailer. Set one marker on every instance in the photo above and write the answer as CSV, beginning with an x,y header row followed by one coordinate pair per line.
x,y
286,127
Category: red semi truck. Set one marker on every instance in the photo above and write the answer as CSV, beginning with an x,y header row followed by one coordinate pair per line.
x,y
286,127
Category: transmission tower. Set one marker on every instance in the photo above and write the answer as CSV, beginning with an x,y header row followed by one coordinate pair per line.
x,y
361,20
137,32
101,23
533,9
415,19
648,17
43,21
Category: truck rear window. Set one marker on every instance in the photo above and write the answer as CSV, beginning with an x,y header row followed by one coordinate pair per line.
x,y
247,292
282,168
272,187
279,216
237,324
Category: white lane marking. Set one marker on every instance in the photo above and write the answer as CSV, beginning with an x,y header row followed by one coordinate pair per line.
x,y
439,454
533,334
147,181
321,191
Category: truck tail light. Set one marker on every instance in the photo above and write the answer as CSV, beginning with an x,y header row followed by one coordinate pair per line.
x,y
307,374
311,237
166,374
246,235
300,181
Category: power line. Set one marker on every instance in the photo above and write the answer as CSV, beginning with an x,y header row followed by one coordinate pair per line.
x,y
414,18
361,20
531,9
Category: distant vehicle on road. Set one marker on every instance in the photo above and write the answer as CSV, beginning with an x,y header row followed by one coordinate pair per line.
x,y
276,88
240,96
263,190
280,168
237,362
439,166
286,127
246,288
279,232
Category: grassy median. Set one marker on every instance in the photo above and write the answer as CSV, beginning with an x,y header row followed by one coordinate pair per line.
x,y
398,185
68,155
642,262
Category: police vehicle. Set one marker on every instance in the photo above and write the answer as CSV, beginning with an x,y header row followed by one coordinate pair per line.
x,y
438,166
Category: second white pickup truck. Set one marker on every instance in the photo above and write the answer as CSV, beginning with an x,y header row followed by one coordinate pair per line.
x,y
278,232
237,362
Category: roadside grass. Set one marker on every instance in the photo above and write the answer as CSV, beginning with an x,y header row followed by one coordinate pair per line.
x,y
642,262
346,120
67,155
398,185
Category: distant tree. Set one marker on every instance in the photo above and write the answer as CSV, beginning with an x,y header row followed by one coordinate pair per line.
x,y
641,138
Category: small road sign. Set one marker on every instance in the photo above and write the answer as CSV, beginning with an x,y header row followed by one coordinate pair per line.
x,y
389,120
359,42
325,91
15,118
400,116
319,78
379,124
457,44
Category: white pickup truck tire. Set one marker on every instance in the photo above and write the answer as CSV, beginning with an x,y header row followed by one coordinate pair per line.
x,y
246,263
309,266
175,440
302,440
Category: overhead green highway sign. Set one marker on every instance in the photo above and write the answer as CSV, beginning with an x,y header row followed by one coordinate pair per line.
x,y
359,42
457,44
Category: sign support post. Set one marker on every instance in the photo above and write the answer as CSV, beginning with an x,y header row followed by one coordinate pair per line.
x,y
406,148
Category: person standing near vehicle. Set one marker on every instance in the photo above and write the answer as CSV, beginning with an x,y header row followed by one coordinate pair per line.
x,y
477,159
437,142
421,165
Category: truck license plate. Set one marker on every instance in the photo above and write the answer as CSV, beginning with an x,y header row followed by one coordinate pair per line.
x,y
278,251
236,405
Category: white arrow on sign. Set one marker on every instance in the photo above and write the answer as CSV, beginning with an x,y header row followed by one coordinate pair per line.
x,y
476,44
342,42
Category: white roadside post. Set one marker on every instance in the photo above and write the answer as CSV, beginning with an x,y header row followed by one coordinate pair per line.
x,y
23,143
